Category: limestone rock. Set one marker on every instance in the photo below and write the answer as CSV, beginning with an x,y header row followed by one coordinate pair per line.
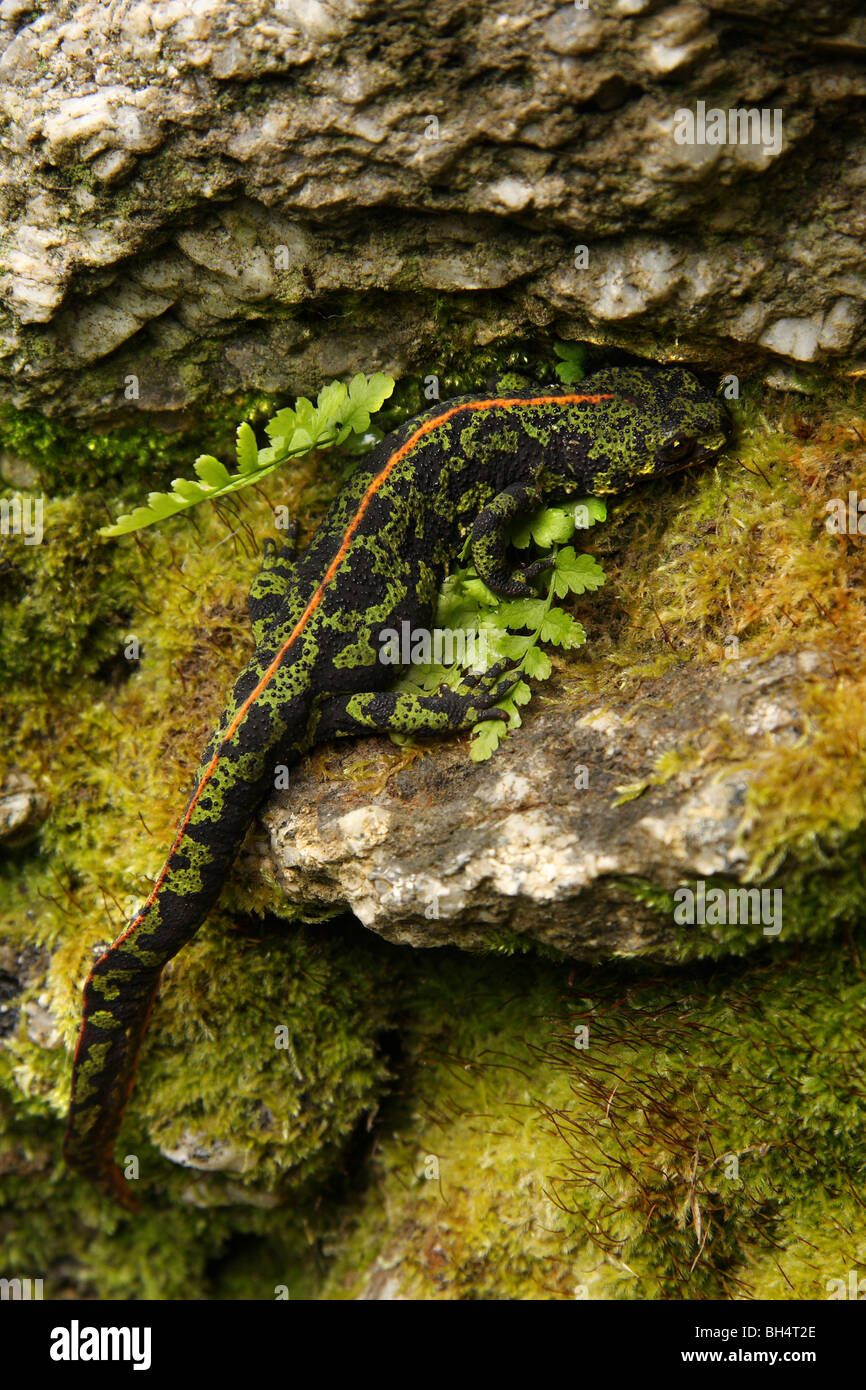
x,y
22,807
554,837
227,194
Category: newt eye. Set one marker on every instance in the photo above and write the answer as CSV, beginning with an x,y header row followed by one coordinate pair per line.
x,y
676,450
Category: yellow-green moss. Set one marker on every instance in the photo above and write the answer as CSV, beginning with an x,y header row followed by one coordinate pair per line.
x,y
742,551
399,1056
526,1167
110,742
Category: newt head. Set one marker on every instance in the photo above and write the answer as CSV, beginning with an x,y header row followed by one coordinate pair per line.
x,y
662,419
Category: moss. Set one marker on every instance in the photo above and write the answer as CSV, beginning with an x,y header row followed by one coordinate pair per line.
x,y
64,601
125,450
110,742
742,551
561,1172
688,1152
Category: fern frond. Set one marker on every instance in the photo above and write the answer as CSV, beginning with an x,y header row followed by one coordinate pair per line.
x,y
339,411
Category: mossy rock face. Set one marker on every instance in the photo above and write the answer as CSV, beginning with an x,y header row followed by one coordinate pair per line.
x,y
703,745
322,1111
615,826
599,1135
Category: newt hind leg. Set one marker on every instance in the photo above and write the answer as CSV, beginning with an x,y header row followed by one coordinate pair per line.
x,y
404,712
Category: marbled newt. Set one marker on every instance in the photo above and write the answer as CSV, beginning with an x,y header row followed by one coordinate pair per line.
x,y
466,468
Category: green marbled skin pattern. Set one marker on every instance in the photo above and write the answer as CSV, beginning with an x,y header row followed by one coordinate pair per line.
x,y
466,467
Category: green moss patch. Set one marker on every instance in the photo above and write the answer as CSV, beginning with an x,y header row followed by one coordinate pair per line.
x,y
431,1128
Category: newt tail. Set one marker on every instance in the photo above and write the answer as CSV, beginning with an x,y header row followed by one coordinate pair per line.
x,y
119,994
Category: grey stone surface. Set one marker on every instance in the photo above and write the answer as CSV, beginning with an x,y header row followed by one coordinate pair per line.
x,y
524,847
222,194
22,807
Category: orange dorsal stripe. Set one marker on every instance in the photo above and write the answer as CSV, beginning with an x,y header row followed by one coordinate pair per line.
x,y
380,478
